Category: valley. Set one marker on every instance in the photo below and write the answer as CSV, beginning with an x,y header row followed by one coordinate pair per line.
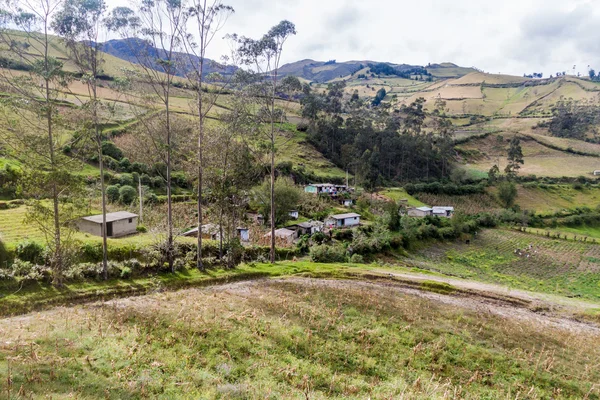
x,y
176,227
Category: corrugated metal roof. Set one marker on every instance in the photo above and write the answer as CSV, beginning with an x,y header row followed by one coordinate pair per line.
x,y
111,217
344,216
424,209
443,209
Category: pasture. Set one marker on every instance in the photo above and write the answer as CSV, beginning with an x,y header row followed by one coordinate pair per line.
x,y
292,338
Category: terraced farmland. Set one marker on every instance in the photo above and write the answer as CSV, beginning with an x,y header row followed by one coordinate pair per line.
x,y
505,256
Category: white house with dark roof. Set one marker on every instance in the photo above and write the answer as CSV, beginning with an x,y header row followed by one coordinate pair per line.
x,y
444,212
343,220
121,223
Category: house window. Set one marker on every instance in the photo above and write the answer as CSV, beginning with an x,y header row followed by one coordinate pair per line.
x,y
130,220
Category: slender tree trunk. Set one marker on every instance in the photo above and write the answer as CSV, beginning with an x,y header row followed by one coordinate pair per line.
x,y
200,159
169,197
57,267
272,254
221,232
103,194
98,138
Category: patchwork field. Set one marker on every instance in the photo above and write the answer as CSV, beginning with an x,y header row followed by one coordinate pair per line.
x,y
553,266
540,160
293,338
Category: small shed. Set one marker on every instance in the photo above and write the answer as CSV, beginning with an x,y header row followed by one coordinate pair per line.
x,y
420,212
347,202
597,172
121,223
256,218
343,220
444,212
307,228
294,214
243,234
285,234
209,232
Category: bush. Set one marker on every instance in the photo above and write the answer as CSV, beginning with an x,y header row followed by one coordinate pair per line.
x,y
343,234
112,193
30,251
4,256
327,254
125,272
111,150
357,259
91,252
125,165
127,194
302,127
140,168
126,180
141,229
158,182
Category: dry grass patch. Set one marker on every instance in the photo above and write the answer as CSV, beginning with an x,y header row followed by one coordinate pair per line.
x,y
291,339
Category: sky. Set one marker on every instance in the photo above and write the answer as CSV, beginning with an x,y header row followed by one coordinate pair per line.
x,y
508,36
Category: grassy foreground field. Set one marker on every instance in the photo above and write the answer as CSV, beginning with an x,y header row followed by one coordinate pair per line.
x,y
295,338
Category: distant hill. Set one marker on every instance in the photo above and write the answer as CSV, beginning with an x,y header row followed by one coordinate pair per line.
x,y
448,70
127,49
324,71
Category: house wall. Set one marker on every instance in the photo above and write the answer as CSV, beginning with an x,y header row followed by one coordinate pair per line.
x,y
418,213
310,189
244,235
89,227
351,221
124,227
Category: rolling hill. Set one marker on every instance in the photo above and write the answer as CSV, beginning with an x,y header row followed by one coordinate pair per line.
x,y
136,50
477,103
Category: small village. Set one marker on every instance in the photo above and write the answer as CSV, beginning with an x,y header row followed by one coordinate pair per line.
x,y
124,223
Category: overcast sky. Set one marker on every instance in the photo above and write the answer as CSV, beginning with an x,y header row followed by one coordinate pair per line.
x,y
508,36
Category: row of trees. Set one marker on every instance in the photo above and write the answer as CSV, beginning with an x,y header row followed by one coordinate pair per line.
x,y
379,144
41,123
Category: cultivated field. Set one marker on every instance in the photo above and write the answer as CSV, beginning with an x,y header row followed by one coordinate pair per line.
x,y
550,265
540,160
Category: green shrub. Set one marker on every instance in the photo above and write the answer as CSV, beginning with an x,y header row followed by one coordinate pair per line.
x,y
140,169
125,272
342,234
125,165
127,194
112,193
357,259
126,180
4,256
141,229
327,254
111,150
30,251
91,252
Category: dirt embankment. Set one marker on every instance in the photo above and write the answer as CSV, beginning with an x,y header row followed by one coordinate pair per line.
x,y
545,311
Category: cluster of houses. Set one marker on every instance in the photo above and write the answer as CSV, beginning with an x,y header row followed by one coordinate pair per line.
x,y
422,212
341,193
124,223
